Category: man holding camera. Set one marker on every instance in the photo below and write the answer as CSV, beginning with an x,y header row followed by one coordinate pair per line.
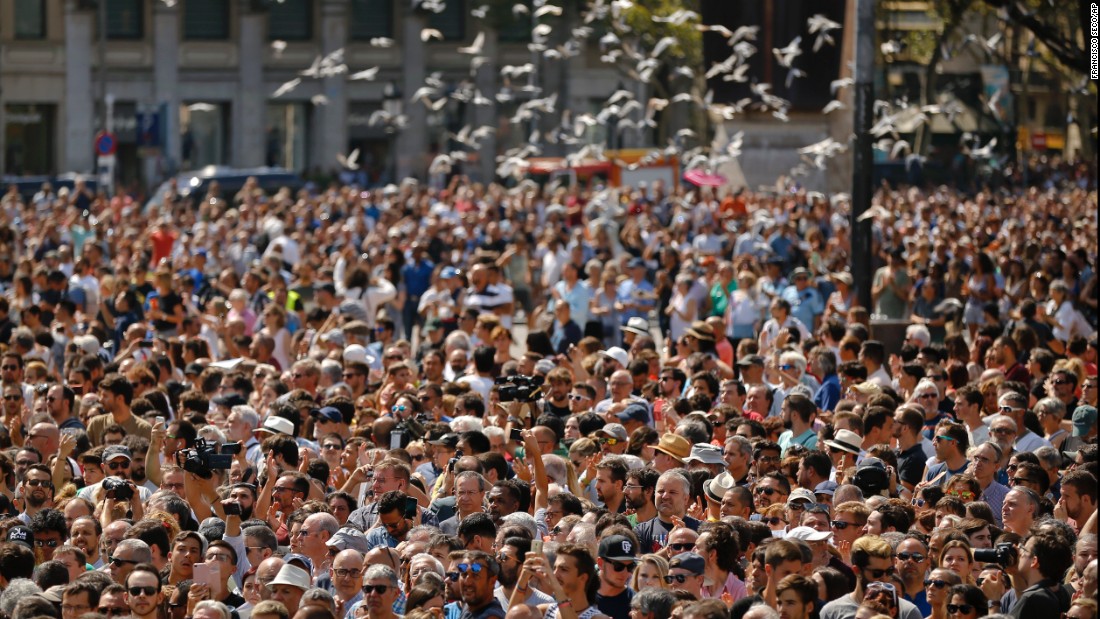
x,y
1043,560
117,485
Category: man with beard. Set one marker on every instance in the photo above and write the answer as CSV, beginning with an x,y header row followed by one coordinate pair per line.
x,y
37,490
610,479
510,557
115,394
84,533
771,489
60,401
795,596
391,516
638,492
765,458
243,495
143,592
477,577
617,557
139,449
671,499
798,414
116,465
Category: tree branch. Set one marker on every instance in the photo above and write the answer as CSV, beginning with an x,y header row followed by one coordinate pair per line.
x,y
1063,48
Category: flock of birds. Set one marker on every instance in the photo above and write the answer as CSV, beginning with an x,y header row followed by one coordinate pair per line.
x,y
624,111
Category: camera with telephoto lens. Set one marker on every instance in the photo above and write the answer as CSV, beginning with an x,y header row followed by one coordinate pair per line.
x,y
1003,554
204,457
118,489
519,388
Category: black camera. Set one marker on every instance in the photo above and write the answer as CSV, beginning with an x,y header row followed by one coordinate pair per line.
x,y
118,489
1003,554
519,388
204,457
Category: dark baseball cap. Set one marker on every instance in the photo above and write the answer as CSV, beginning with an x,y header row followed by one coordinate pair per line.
x,y
21,535
617,548
327,413
447,440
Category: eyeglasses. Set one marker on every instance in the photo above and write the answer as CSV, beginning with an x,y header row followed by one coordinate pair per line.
x,y
332,447
1062,381
46,543
684,547
343,573
114,466
940,437
282,488
399,408
774,520
11,368
13,398
965,495
676,578
766,491
36,483
70,608
1003,431
769,459
578,398
619,567
935,584
915,557
217,556
119,561
136,591
797,506
1016,481
840,525
452,576
470,568
879,573
927,396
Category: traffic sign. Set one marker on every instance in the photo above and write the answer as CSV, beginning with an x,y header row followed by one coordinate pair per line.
x,y
105,143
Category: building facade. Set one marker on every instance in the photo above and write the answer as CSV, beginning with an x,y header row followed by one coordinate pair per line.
x,y
190,83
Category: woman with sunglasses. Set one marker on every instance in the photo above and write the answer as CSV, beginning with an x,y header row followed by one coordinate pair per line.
x,y
936,588
650,573
966,602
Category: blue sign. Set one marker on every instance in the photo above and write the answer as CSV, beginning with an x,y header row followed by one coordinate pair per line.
x,y
148,129
105,144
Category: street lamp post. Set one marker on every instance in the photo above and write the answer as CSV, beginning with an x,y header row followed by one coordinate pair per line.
x,y
391,104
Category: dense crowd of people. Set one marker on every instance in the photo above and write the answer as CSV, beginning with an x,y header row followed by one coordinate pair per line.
x,y
317,405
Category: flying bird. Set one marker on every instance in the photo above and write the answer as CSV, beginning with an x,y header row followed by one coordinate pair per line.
x,y
368,74
822,26
475,48
381,42
278,47
319,100
286,88
351,161
428,34
786,55
547,9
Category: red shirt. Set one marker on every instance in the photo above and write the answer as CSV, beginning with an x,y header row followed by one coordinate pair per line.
x,y
162,245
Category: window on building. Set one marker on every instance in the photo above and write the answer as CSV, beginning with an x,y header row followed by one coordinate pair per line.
x,y
29,138
451,21
125,19
370,19
206,20
30,19
290,20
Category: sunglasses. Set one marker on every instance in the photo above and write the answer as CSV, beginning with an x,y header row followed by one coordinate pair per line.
x,y
1062,382
1016,481
399,408
965,609
112,611
935,584
676,578
774,520
684,547
376,589
880,574
37,483
840,525
13,398
48,544
114,466
136,591
916,557
941,437
609,441
577,398
1003,431
464,568
452,576
965,495
619,567
765,491
118,561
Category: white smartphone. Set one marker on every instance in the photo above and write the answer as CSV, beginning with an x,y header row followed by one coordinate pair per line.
x,y
205,573
160,420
